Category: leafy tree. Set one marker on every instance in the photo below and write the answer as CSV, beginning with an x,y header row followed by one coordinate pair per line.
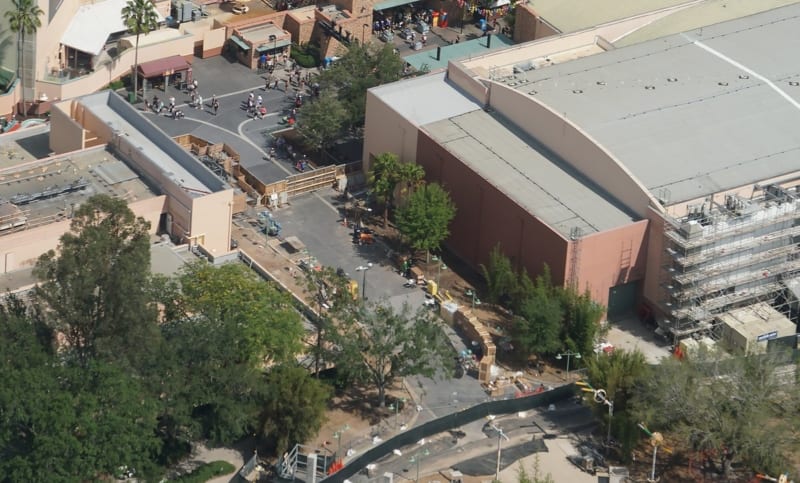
x,y
374,344
320,122
23,19
537,326
295,405
620,374
360,68
410,176
383,178
581,320
141,18
425,220
535,476
731,410
95,285
500,276
269,327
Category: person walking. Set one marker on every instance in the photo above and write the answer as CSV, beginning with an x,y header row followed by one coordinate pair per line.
x,y
199,102
215,106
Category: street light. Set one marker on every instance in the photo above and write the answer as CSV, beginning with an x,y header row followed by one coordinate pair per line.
x,y
274,39
395,406
475,300
338,436
500,436
363,269
441,267
568,354
417,458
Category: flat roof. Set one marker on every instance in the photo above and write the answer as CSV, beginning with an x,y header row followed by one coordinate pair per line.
x,y
261,33
435,98
690,114
532,177
698,15
461,50
90,172
574,15
153,144
757,320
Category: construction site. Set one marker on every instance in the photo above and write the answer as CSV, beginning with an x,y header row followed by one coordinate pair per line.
x,y
730,253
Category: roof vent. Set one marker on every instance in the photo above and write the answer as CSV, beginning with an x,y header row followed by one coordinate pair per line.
x,y
723,83
532,93
601,83
577,91
794,83
744,76
650,88
672,79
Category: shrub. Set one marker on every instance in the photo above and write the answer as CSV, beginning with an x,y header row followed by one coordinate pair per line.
x,y
207,472
306,55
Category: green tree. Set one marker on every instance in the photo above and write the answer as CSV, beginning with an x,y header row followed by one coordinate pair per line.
x,y
376,345
383,178
295,405
320,122
23,19
535,476
95,287
733,410
410,176
581,319
500,277
620,375
141,18
537,325
360,68
269,327
425,220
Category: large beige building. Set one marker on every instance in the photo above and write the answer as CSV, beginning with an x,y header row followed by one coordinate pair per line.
x,y
663,172
100,144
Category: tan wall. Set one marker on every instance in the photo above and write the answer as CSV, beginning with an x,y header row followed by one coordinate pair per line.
x,y
529,26
211,221
213,40
8,102
387,131
613,257
21,249
463,78
573,145
651,289
48,38
66,135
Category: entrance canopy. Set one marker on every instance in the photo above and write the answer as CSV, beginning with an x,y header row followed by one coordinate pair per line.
x,y
165,66
387,4
92,24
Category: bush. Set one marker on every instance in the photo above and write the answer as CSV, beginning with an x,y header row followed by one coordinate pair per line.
x,y
207,472
306,55
117,84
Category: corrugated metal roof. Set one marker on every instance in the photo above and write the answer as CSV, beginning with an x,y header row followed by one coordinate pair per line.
x,y
695,113
531,177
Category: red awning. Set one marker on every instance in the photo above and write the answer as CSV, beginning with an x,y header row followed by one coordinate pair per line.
x,y
165,66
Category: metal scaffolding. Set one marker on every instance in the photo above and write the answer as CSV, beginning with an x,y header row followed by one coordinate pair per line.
x,y
722,256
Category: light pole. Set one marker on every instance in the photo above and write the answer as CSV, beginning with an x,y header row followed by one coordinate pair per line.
x,y
475,300
439,269
274,40
338,436
568,354
500,436
656,440
600,397
396,407
417,458
363,269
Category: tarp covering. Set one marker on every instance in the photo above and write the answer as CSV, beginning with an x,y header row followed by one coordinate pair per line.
x,y
93,23
167,65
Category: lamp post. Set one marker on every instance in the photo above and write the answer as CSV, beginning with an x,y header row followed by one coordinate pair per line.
x,y
363,269
363,32
274,39
417,458
338,436
500,436
439,269
475,300
395,406
568,355
600,397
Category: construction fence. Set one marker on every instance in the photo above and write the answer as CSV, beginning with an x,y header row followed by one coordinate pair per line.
x,y
449,422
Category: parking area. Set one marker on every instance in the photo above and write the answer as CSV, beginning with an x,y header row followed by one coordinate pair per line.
x,y
629,333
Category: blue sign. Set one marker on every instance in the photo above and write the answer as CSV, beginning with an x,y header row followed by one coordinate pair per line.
x,y
768,336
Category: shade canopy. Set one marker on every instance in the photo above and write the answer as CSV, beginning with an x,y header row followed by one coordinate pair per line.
x,y
165,66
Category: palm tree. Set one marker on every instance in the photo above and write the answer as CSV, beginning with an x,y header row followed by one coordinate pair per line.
x,y
141,18
23,20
